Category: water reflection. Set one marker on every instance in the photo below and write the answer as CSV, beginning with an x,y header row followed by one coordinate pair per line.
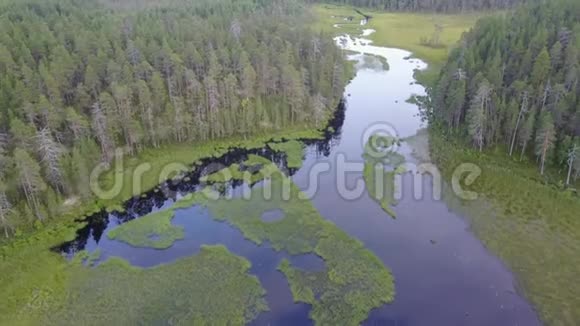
x,y
441,269
167,193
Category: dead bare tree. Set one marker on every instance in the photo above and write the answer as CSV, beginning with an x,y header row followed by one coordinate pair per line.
x,y
99,124
50,154
523,111
236,29
572,155
5,212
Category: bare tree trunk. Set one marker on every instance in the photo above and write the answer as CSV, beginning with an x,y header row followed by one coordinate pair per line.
x,y
571,160
523,150
31,198
50,152
547,89
569,173
544,152
522,110
99,125
5,211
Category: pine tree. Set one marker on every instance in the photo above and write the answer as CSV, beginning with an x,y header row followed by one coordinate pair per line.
x,y
147,113
526,133
77,124
248,83
478,114
456,101
22,133
545,139
556,56
541,68
30,180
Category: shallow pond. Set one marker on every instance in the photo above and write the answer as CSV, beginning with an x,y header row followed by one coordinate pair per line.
x,y
443,274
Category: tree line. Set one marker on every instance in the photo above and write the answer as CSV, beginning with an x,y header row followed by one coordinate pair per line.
x,y
79,78
514,81
430,5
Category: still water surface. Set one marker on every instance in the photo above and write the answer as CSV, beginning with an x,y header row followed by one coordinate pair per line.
x,y
443,274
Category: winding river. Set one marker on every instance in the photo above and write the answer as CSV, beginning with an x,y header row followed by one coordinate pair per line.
x,y
443,274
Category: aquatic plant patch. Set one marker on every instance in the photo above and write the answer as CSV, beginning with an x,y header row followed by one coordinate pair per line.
x,y
210,288
380,183
150,231
354,282
294,151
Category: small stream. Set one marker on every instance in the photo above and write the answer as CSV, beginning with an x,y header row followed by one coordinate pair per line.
x,y
443,273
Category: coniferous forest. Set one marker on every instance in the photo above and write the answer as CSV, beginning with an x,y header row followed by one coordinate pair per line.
x,y
184,162
514,81
79,78
451,6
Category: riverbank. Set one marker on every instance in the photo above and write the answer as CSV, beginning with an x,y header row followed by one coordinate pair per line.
x,y
532,226
34,278
401,30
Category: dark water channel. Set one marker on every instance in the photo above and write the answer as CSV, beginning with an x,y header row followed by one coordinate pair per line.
x,y
443,274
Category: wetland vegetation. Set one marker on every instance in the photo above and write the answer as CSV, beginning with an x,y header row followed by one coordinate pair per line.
x,y
507,100
402,30
188,84
532,226
354,281
380,184
152,231
117,293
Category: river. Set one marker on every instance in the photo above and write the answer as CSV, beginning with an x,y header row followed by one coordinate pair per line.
x,y
443,274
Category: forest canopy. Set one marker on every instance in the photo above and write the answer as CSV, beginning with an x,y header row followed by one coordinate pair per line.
x,y
79,78
514,81
429,5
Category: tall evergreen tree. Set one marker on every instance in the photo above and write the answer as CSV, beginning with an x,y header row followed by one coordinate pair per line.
x,y
532,68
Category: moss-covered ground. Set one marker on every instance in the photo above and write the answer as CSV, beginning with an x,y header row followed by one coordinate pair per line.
x,y
533,226
354,282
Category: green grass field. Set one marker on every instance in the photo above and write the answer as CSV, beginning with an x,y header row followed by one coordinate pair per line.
x,y
400,30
